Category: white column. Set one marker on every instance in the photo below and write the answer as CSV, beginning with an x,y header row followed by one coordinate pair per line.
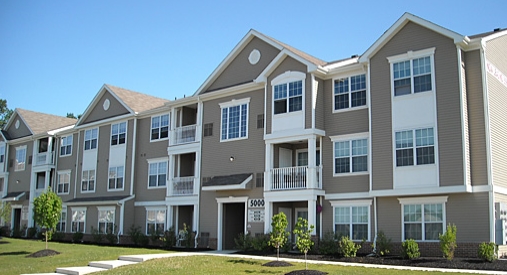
x,y
268,213
312,160
219,226
312,213
170,212
268,165
170,176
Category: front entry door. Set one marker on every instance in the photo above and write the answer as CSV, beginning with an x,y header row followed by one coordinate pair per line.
x,y
233,223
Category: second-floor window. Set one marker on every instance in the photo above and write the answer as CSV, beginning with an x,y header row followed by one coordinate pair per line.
x,y
90,140
412,72
118,132
63,183
422,153
288,97
157,174
159,127
88,181
2,154
234,120
351,156
66,146
20,158
350,92
116,177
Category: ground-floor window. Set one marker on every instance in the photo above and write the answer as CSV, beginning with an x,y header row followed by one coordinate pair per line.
x,y
62,223
423,222
352,221
106,220
155,221
78,220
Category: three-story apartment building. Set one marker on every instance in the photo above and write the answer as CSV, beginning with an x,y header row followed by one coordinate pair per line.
x,y
406,138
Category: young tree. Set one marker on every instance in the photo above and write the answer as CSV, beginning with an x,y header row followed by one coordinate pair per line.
x,y
279,235
304,238
47,209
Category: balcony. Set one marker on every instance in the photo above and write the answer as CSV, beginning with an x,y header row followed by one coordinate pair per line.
x,y
46,158
294,178
183,135
183,186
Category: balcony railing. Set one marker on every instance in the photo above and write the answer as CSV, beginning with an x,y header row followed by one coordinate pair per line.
x,y
45,158
292,178
182,135
183,186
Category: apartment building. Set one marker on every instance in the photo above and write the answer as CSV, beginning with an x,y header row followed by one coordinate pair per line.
x,y
404,138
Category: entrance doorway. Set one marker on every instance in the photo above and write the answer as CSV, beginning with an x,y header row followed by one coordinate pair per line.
x,y
17,219
233,223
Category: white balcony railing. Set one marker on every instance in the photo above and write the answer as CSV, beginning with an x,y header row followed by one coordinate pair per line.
x,y
45,158
183,186
182,135
291,178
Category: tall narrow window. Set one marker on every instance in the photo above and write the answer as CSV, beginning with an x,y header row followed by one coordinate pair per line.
x,y
88,181
160,127
20,158
208,130
290,101
116,178
63,183
118,133
106,220
234,120
66,146
90,139
62,223
157,174
2,154
78,220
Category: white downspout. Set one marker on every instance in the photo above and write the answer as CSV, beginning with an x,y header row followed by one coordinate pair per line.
x,y
134,138
77,158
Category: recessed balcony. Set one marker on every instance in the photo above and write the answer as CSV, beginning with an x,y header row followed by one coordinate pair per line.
x,y
183,135
294,178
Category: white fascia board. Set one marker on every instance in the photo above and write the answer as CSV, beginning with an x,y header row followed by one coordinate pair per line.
x,y
292,135
61,130
243,88
106,121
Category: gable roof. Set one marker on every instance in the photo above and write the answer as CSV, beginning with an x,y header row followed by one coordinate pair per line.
x,y
400,23
40,123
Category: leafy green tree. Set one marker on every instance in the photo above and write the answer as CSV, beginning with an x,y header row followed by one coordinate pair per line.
x,y
70,115
5,113
5,211
279,235
47,209
304,238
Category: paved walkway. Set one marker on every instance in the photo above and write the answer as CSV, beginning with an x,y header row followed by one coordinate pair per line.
x,y
135,259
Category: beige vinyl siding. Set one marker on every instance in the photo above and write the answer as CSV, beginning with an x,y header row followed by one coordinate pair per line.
x,y
461,207
497,96
476,119
98,112
289,64
413,37
389,217
240,70
22,176
146,150
68,163
21,131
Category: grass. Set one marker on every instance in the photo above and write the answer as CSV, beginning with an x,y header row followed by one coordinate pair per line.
x,y
13,260
13,254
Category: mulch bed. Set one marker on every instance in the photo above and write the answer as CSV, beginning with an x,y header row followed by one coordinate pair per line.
x,y
43,253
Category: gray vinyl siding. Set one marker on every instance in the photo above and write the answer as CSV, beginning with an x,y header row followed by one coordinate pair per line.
x,y
460,207
92,217
98,112
68,163
476,119
289,64
240,70
21,131
497,96
389,217
146,150
22,176
450,145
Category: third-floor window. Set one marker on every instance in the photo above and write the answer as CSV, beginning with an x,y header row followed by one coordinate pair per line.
x,y
118,133
350,92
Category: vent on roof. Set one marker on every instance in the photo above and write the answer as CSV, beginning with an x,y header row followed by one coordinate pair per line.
x,y
354,56
497,29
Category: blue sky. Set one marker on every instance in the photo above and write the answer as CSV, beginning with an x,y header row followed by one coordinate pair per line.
x,y
56,55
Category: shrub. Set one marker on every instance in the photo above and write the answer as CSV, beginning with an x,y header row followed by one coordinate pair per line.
x,y
111,236
347,247
96,235
169,238
488,252
382,245
137,237
244,242
31,233
328,244
410,249
448,242
260,242
77,237
58,236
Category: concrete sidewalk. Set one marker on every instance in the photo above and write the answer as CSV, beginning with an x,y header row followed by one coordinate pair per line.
x,y
135,259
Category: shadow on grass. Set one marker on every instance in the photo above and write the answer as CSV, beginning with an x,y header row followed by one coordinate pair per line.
x,y
243,262
261,272
14,253
4,242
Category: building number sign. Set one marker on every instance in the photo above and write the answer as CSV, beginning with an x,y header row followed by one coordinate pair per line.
x,y
256,203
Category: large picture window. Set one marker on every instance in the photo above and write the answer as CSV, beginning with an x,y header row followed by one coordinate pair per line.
x,y
422,153
423,221
350,92
234,120
351,156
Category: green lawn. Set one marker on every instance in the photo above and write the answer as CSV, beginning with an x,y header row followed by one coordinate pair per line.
x,y
13,260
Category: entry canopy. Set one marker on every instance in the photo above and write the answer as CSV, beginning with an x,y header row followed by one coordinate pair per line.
x,y
230,182
14,196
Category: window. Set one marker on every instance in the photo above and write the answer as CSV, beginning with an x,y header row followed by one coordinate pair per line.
x,y
106,220
412,72
118,132
78,220
155,221
157,174
62,223
88,181
2,153
63,182
66,146
91,136
116,178
160,127
351,156
422,153
259,179
423,221
20,158
208,129
234,119
350,92
352,221
260,121
288,102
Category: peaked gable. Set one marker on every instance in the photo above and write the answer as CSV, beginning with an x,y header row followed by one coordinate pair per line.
x,y
25,123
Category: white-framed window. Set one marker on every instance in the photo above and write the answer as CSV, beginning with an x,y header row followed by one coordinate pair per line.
x,y
62,223
106,219
63,185
352,219
66,146
422,153
288,97
88,181
78,220
2,187
116,175
234,119
302,157
91,138
423,219
412,72
155,221
160,127
118,133
2,154
350,154
20,158
350,92
157,173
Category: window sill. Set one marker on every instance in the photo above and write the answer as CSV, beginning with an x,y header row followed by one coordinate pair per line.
x,y
115,190
159,139
233,139
339,175
350,109
412,95
157,187
87,192
64,156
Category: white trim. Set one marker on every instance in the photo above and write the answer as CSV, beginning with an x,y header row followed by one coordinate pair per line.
x,y
349,138
410,55
348,75
168,126
349,205
234,103
339,203
167,180
220,203
150,203
423,200
69,172
19,148
106,208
